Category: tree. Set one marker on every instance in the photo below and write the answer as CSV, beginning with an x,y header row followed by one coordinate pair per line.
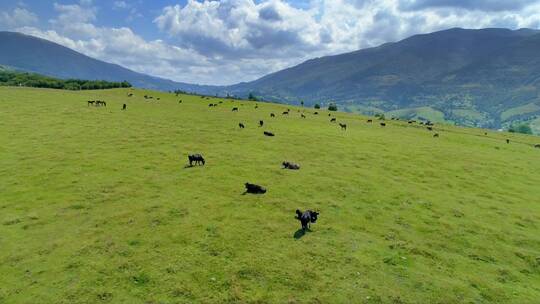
x,y
302,103
332,107
252,97
317,106
521,128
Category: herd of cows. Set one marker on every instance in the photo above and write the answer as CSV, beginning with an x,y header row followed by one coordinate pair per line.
x,y
305,217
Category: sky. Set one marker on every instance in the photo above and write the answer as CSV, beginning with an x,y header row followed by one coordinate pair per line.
x,y
231,41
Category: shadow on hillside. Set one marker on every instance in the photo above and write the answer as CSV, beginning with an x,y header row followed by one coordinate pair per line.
x,y
188,166
300,233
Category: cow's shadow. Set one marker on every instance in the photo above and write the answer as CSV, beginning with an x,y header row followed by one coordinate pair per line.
x,y
300,233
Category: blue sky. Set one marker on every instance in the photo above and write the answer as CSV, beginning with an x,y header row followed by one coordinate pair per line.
x,y
228,41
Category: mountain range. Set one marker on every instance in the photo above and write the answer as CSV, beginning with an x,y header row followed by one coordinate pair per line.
x,y
486,77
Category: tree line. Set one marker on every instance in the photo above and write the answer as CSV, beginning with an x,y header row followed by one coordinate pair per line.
x,y
11,78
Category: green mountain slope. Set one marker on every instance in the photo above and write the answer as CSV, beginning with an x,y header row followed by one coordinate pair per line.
x,y
486,71
97,205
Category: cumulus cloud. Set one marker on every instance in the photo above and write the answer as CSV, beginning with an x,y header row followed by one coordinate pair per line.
x,y
227,41
18,17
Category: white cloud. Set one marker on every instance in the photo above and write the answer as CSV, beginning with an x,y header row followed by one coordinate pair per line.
x,y
227,41
18,17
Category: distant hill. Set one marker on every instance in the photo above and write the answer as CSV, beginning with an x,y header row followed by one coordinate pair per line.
x,y
478,77
28,53
488,77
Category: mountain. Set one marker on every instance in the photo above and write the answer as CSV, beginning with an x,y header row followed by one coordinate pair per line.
x,y
28,53
487,77
482,77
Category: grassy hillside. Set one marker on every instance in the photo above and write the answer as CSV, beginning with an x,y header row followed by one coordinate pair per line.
x,y
96,205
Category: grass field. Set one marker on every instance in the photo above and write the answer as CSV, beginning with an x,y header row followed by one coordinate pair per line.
x,y
97,206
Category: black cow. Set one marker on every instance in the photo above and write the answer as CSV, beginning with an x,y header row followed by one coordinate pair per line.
x,y
90,102
316,113
268,133
254,189
537,146
343,126
285,113
289,165
241,125
436,135
306,218
211,105
272,115
302,115
508,141
383,124
430,128
124,107
235,109
180,101
370,120
333,120
197,158
261,123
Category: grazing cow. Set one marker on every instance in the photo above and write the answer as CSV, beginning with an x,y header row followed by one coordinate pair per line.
x,y
241,125
272,115
329,115
485,133
507,141
302,115
256,106
130,94
410,122
180,101
316,113
211,105
235,109
343,126
430,128
90,102
537,146
124,107
268,133
254,189
383,124
306,218
422,123
289,165
333,120
158,98
285,113
197,158
436,135
369,120
261,123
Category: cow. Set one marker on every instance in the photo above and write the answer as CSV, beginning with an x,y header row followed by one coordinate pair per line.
x,y
124,107
430,128
302,115
261,123
537,146
90,102
241,125
197,158
180,101
235,109
272,115
436,135
383,124
256,106
130,94
289,165
343,126
268,133
211,105
369,120
316,113
306,218
254,189
507,141
333,120
285,113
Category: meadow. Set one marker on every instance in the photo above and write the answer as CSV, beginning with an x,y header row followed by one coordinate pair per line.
x,y
97,205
